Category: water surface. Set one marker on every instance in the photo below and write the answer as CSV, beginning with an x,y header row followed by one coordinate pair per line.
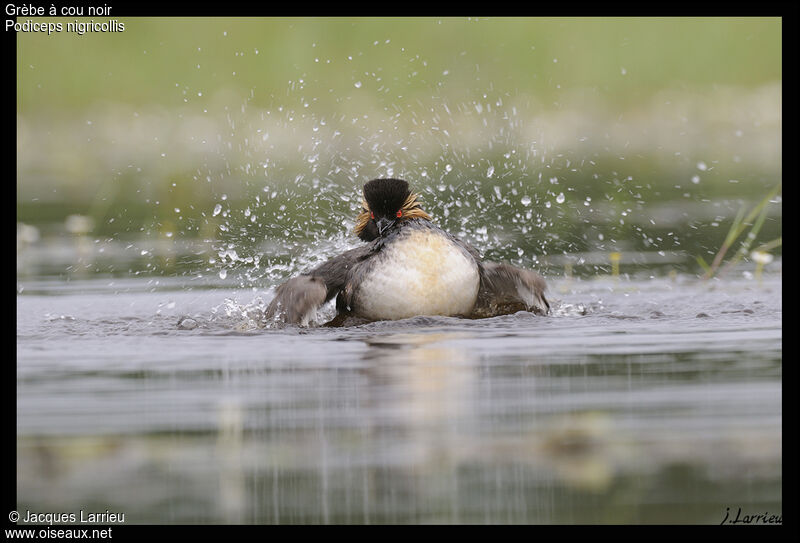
x,y
637,401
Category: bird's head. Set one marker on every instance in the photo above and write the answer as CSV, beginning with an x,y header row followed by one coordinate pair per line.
x,y
386,202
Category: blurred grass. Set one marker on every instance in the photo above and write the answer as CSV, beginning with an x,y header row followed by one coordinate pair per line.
x,y
147,130
755,220
543,57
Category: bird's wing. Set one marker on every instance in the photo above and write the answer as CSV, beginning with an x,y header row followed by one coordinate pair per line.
x,y
505,288
508,289
297,300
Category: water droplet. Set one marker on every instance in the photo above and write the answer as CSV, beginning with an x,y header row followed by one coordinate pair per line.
x,y
217,209
357,84
526,200
223,273
702,166
695,179
560,198
490,171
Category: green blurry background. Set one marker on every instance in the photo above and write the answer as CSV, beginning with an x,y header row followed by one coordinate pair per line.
x,y
140,66
530,137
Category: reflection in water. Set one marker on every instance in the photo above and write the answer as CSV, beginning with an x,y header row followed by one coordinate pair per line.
x,y
231,473
582,417
430,382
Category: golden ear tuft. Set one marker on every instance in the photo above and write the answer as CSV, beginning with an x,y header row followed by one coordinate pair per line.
x,y
412,210
362,219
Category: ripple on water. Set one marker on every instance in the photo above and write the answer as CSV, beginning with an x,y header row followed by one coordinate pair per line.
x,y
621,390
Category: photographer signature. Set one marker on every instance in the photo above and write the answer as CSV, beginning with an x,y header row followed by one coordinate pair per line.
x,y
764,518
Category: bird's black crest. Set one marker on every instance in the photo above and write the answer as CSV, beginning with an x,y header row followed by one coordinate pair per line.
x,y
386,196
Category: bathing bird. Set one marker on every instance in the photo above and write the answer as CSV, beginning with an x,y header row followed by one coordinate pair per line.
x,y
407,267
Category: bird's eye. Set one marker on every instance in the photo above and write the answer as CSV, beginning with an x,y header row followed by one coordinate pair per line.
x,y
399,212
371,214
